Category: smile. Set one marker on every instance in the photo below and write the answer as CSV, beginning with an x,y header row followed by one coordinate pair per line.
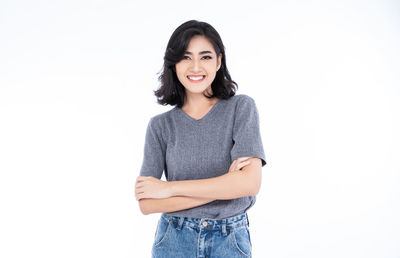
x,y
196,78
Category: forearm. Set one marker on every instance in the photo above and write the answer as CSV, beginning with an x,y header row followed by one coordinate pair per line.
x,y
171,204
227,186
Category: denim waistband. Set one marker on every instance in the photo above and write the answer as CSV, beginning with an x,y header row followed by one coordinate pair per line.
x,y
209,224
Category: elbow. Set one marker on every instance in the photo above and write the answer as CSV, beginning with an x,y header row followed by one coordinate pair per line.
x,y
252,177
250,190
254,191
250,187
254,188
143,207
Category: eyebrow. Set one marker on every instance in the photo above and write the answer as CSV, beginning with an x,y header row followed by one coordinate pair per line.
x,y
201,53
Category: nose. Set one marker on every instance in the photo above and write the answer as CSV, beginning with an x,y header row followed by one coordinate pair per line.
x,y
195,65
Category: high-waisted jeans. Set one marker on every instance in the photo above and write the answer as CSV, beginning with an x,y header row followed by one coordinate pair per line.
x,y
183,237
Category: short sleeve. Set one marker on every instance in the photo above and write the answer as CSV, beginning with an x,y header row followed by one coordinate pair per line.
x,y
247,140
154,151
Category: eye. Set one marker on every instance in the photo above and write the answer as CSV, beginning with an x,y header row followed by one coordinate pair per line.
x,y
207,57
185,57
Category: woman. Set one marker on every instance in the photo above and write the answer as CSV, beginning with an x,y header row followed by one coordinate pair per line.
x,y
205,198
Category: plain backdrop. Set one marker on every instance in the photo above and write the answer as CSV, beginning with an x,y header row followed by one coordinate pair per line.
x,y
76,94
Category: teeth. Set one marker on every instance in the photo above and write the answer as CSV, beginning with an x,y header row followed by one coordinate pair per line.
x,y
195,78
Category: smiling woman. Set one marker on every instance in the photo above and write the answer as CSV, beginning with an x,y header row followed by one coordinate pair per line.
x,y
209,147
199,65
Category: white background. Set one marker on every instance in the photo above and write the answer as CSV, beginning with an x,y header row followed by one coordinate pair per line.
x,y
76,93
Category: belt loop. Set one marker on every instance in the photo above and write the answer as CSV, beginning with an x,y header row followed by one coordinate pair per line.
x,y
181,219
224,227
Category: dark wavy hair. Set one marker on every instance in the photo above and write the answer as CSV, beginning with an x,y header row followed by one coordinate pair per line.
x,y
171,91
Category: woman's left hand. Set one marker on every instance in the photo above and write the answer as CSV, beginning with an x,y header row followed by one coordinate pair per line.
x,y
151,187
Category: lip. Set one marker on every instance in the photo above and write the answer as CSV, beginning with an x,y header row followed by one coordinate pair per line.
x,y
196,81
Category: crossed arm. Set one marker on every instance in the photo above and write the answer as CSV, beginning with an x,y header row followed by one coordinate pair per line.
x,y
155,195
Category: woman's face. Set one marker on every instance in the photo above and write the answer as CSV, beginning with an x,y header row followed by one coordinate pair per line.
x,y
196,71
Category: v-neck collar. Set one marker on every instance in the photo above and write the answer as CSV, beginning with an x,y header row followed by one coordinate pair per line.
x,y
203,118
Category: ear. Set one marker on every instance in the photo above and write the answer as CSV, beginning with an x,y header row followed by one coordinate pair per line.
x,y
219,61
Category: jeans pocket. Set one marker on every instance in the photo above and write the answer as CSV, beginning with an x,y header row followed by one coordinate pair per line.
x,y
241,240
163,228
248,232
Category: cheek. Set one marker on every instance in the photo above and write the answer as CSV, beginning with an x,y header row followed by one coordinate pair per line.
x,y
213,63
180,73
179,68
212,67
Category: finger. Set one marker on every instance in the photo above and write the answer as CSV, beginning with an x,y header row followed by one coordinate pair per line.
x,y
136,195
139,185
243,164
232,166
141,178
243,158
140,196
138,191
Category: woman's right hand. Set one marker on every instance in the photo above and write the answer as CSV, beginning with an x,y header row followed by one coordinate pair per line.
x,y
237,164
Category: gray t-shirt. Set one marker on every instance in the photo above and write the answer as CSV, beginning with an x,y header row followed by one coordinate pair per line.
x,y
186,148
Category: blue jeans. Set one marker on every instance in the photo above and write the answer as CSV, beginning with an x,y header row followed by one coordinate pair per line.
x,y
183,237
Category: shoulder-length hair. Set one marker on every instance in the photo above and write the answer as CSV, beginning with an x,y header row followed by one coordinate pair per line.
x,y
171,91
